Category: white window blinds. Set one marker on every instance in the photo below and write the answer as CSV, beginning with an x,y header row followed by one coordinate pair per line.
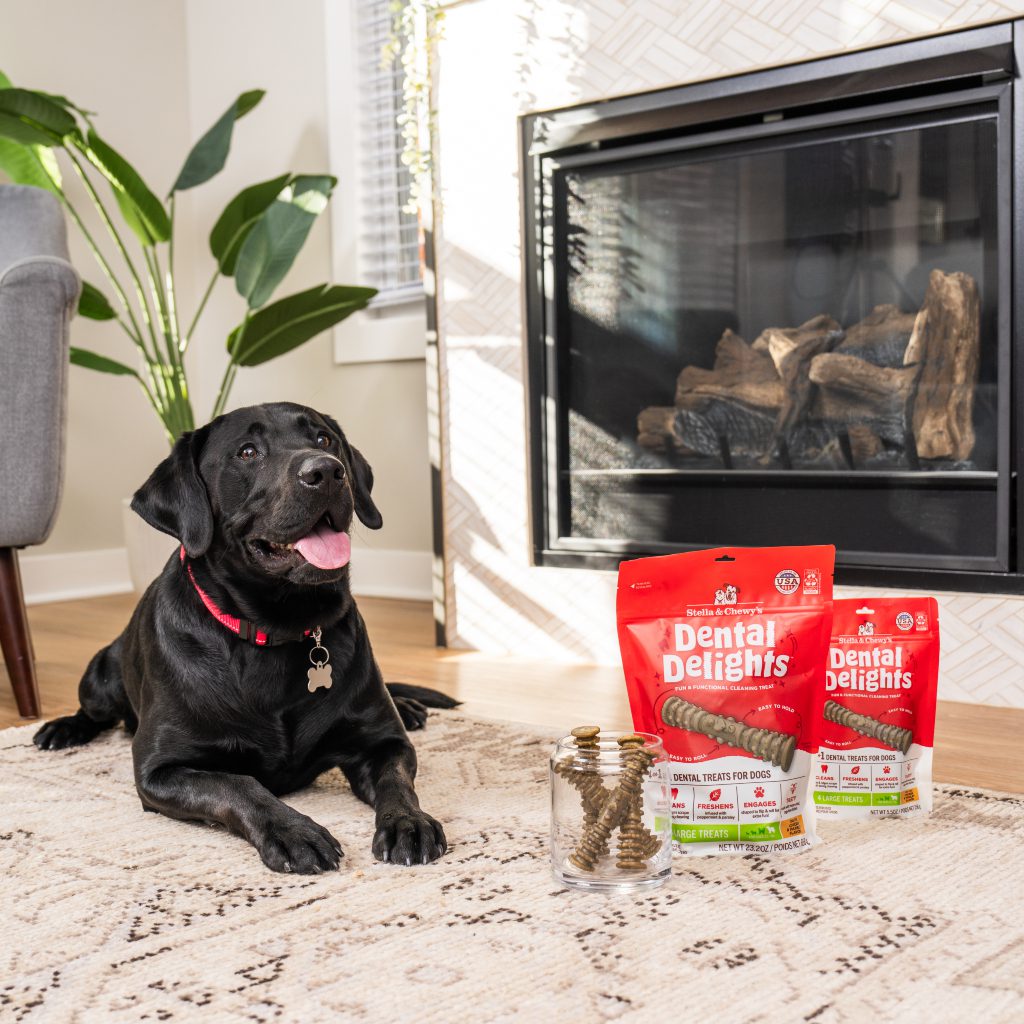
x,y
389,251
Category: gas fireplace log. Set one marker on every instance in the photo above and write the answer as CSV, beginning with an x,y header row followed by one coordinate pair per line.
x,y
791,351
724,430
656,429
880,338
865,444
740,375
851,390
944,346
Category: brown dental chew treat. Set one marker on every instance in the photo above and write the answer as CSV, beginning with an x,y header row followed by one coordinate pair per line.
x,y
642,842
581,772
767,744
593,844
629,854
891,735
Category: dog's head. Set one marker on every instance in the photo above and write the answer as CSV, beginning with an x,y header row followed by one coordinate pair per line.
x,y
270,489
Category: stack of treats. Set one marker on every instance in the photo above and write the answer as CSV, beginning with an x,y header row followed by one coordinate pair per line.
x,y
604,809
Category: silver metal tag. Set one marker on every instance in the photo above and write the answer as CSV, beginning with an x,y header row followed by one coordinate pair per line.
x,y
320,674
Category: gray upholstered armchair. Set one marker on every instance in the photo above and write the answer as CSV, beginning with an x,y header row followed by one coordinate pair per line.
x,y
38,295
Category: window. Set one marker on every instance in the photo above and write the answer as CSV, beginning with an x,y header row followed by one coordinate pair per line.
x,y
389,246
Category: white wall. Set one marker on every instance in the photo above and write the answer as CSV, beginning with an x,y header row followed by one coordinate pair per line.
x,y
102,55
160,74
381,406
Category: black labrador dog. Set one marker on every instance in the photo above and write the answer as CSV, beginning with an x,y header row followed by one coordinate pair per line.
x,y
246,671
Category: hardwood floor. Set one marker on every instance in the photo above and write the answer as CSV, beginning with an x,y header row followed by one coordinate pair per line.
x,y
974,745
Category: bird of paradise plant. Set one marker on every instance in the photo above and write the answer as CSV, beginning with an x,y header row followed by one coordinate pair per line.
x,y
254,241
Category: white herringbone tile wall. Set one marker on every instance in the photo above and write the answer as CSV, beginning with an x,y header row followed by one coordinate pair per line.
x,y
502,58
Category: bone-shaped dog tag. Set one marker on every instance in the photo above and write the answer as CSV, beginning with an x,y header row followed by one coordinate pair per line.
x,y
319,675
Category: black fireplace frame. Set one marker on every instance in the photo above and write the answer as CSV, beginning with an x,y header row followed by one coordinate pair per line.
x,y
958,68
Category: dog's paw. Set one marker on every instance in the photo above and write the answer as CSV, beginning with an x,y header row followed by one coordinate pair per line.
x,y
413,838
71,731
299,845
412,712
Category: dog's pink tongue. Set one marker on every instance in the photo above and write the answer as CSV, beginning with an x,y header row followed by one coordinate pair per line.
x,y
325,548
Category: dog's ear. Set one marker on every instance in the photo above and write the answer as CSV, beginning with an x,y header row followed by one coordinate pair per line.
x,y
174,498
362,480
362,484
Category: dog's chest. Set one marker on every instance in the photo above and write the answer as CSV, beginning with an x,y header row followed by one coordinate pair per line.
x,y
281,725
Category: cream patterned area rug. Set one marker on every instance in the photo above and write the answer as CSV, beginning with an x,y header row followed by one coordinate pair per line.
x,y
112,915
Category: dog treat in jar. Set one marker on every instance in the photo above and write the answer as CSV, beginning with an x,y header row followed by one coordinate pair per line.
x,y
610,811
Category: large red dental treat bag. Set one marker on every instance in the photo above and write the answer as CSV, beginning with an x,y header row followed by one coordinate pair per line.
x,y
879,712
724,653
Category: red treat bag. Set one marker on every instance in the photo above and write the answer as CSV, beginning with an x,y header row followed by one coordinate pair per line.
x,y
879,711
724,654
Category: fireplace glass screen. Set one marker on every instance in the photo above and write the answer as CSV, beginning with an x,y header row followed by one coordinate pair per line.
x,y
791,339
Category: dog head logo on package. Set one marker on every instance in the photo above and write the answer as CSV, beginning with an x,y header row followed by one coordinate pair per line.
x,y
724,655
879,727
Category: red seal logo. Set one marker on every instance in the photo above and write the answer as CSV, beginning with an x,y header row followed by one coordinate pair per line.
x,y
787,581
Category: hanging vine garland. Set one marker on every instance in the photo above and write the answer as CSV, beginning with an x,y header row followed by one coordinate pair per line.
x,y
416,28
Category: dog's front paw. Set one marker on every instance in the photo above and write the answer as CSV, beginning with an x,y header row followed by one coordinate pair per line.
x,y
71,731
412,712
298,844
409,838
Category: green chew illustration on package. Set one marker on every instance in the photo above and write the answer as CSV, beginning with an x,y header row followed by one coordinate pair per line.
x,y
724,653
879,713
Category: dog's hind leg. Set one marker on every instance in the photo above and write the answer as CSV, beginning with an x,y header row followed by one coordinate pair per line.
x,y
411,703
103,704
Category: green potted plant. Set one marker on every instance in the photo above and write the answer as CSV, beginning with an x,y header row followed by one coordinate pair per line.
x,y
254,242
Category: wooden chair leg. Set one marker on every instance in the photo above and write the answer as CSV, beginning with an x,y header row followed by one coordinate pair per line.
x,y
14,636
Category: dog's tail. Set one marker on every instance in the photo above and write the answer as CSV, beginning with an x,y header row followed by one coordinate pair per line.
x,y
426,696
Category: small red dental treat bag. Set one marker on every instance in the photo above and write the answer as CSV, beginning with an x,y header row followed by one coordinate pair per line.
x,y
724,653
879,712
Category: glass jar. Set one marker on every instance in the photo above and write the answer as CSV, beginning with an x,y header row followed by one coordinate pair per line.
x,y
611,818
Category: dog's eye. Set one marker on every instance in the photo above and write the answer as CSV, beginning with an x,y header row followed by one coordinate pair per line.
x,y
323,440
247,451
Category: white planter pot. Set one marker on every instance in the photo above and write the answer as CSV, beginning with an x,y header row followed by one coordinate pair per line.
x,y
148,549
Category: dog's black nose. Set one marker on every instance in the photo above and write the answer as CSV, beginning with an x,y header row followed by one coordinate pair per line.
x,y
320,470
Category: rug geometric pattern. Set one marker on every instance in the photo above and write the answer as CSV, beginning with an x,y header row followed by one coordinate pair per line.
x,y
114,916
498,60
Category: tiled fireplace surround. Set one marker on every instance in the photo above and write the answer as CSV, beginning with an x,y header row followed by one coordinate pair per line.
x,y
497,60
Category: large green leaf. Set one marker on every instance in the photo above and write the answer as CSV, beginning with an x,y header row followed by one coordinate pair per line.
x,y
26,165
141,209
239,217
27,116
64,102
93,304
210,153
19,131
276,238
93,361
291,321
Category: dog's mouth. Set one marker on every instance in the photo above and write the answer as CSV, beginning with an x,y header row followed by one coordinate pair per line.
x,y
324,547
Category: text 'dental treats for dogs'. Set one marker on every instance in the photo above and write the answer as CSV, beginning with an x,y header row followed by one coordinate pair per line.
x,y
724,654
879,714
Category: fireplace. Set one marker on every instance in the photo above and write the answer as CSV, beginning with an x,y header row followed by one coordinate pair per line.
x,y
779,309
